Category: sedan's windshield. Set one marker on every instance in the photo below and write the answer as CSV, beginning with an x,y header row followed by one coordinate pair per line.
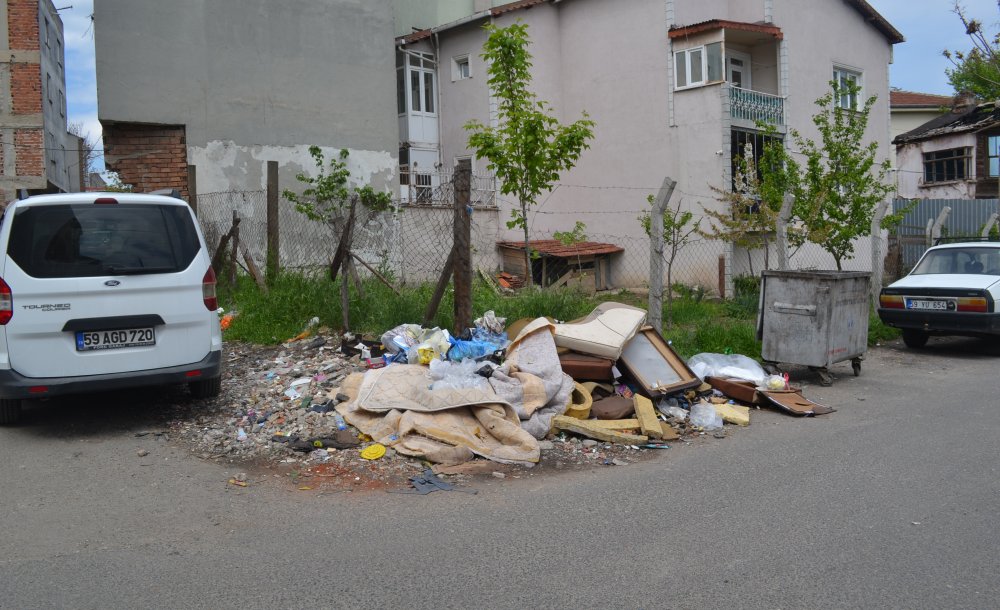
x,y
960,260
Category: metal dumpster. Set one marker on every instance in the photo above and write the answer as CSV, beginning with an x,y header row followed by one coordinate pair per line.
x,y
813,318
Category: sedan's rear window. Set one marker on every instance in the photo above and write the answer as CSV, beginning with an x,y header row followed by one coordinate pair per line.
x,y
91,239
960,260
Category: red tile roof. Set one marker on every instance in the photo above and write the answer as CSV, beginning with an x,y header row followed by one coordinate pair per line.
x,y
554,247
719,24
912,99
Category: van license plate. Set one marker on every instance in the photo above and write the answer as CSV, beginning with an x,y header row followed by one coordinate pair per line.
x,y
114,339
918,304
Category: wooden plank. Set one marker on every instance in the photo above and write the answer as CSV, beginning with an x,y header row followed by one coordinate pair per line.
x,y
378,275
615,424
669,434
252,268
646,415
443,281
273,258
585,428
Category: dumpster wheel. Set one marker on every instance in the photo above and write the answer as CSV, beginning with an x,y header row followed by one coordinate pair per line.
x,y
825,376
856,365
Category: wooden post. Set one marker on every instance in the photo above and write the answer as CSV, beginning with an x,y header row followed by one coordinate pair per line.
x,y
235,252
722,276
193,188
655,313
463,246
446,273
273,234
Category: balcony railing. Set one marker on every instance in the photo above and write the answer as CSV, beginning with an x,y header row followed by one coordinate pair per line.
x,y
755,106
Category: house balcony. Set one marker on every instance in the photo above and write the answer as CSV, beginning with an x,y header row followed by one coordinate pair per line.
x,y
747,108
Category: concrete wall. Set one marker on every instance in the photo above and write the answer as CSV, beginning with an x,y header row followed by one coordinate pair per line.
x,y
910,163
904,120
254,80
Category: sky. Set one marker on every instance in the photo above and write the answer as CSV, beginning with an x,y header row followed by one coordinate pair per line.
x,y
929,27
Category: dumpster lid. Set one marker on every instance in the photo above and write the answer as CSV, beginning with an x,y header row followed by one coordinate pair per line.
x,y
816,274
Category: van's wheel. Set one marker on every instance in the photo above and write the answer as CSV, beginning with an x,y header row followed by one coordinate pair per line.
x,y
206,388
914,338
10,411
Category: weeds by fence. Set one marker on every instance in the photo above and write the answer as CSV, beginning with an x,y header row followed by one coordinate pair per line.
x,y
410,246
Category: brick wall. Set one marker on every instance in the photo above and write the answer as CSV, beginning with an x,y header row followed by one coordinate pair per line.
x,y
29,144
26,88
22,25
149,157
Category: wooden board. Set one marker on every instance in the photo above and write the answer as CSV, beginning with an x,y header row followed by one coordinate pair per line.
x,y
584,427
646,415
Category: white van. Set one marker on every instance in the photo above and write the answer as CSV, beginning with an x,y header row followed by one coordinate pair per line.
x,y
101,291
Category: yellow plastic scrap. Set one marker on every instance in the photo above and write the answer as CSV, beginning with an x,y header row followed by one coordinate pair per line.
x,y
734,414
373,451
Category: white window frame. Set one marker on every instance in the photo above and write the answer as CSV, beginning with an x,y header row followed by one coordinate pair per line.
x,y
457,63
840,72
686,53
423,66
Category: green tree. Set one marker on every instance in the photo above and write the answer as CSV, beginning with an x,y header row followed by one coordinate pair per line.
x,y
841,183
329,196
978,69
529,147
750,216
677,233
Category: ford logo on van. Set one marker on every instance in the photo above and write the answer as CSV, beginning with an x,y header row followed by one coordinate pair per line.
x,y
112,283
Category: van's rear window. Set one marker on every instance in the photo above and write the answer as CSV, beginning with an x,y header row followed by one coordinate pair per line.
x,y
91,240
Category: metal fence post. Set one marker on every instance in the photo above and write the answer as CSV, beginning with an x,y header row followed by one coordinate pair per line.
x,y
878,257
655,313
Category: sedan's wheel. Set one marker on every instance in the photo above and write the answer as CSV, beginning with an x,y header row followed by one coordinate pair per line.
x,y
206,388
10,411
914,338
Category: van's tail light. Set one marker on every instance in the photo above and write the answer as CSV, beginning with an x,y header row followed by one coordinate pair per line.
x,y
973,304
6,303
890,301
208,290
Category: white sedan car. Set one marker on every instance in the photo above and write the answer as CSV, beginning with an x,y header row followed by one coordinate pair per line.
x,y
952,290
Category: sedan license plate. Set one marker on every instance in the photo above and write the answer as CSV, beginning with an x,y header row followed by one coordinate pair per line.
x,y
923,304
114,339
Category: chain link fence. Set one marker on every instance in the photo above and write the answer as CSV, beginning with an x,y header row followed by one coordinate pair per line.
x,y
411,246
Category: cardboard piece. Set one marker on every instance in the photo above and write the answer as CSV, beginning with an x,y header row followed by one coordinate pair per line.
x,y
655,366
790,401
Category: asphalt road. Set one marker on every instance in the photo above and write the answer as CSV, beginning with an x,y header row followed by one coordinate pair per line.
x,y
889,502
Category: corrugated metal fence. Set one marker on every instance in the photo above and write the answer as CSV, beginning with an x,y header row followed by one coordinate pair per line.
x,y
967,219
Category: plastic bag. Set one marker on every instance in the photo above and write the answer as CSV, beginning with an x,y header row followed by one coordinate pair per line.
x,y
704,416
401,338
449,375
728,366
775,382
483,343
491,323
433,345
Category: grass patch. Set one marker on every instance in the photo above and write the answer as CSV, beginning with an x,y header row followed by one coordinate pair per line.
x,y
700,325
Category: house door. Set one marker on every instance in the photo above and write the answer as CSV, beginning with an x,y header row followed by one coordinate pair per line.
x,y
738,69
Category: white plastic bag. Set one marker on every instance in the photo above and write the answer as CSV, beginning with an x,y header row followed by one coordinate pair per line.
x,y
727,366
455,375
703,415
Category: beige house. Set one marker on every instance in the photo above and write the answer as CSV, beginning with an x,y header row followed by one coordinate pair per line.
x,y
676,89
911,109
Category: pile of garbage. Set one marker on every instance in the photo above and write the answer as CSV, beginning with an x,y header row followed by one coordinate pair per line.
x,y
600,387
